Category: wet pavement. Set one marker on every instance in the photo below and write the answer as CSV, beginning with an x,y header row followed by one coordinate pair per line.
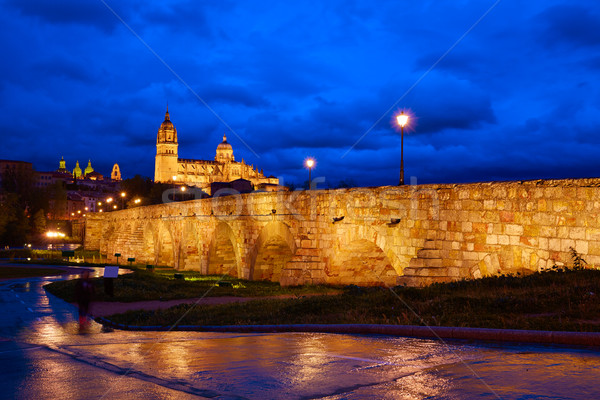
x,y
44,356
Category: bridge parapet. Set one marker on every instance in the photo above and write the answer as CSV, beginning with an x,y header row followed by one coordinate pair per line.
x,y
372,236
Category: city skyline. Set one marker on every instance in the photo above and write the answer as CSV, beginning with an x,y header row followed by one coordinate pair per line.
x,y
497,90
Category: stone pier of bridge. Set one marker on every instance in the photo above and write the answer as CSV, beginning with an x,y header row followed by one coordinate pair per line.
x,y
413,235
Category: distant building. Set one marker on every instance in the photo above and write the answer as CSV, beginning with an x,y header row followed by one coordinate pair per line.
x,y
88,169
200,173
15,173
115,175
77,171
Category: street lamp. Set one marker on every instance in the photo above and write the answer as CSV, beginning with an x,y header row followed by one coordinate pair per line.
x,y
123,194
402,119
310,163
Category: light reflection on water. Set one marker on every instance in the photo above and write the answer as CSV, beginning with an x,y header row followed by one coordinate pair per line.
x,y
313,365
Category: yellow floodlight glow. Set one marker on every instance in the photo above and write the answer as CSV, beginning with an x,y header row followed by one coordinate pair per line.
x,y
54,234
310,162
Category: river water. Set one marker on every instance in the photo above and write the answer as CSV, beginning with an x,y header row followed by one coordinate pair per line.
x,y
43,355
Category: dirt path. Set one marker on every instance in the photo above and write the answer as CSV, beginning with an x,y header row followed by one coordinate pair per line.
x,y
105,308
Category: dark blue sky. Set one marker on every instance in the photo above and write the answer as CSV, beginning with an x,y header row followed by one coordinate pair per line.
x,y
518,97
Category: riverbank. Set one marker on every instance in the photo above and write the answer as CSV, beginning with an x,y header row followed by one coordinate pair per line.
x,y
556,300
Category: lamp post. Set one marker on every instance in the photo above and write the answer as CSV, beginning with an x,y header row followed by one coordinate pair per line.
x,y
123,194
310,163
402,119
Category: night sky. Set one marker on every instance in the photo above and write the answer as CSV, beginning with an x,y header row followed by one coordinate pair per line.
x,y
499,90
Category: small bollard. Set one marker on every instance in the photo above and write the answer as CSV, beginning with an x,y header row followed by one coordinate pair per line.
x,y
131,260
110,273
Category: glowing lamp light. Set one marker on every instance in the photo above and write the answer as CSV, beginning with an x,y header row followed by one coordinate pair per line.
x,y
123,194
115,207
137,201
183,188
109,200
54,234
99,203
310,163
402,119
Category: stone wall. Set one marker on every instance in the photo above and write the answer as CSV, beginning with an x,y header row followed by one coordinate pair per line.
x,y
411,235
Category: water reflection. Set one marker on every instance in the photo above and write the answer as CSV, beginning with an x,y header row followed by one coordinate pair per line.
x,y
287,366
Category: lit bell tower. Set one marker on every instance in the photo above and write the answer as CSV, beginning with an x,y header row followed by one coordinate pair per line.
x,y
165,165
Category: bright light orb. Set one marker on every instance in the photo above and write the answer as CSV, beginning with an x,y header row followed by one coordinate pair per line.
x,y
183,188
402,119
123,194
310,162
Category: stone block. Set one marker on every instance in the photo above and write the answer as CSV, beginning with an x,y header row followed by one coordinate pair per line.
x,y
581,247
433,262
489,204
548,231
513,229
507,216
554,244
565,244
577,233
491,239
467,226
592,234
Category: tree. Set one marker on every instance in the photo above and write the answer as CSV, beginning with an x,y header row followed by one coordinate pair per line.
x,y
39,221
14,226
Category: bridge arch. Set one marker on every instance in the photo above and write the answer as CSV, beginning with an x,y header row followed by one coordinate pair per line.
x,y
165,249
274,247
360,257
223,253
149,253
189,257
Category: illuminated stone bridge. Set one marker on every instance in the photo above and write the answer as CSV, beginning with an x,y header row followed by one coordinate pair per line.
x,y
411,235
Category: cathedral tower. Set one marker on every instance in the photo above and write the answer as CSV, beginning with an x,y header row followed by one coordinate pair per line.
x,y
165,165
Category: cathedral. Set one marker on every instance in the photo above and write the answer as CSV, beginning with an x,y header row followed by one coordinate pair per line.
x,y
201,173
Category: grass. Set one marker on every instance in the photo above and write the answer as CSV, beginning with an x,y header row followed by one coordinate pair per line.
x,y
143,285
554,300
24,272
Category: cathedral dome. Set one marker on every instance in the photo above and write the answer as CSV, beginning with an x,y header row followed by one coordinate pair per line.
x,y
167,132
224,151
224,145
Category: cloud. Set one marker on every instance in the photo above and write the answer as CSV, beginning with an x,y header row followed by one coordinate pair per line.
x,y
574,25
87,13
